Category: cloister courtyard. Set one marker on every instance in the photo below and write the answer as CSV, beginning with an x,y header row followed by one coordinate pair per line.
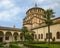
x,y
40,29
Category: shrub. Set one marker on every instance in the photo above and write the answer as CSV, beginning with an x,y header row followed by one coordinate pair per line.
x,y
2,43
53,39
54,42
14,46
35,46
38,42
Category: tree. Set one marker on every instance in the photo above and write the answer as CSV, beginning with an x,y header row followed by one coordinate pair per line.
x,y
28,36
53,39
24,30
48,15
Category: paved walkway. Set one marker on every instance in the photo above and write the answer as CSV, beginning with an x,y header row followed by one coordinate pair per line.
x,y
25,47
22,45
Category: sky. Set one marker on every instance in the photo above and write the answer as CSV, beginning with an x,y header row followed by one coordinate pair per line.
x,y
12,12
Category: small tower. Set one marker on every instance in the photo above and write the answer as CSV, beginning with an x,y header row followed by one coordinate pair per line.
x,y
14,26
35,4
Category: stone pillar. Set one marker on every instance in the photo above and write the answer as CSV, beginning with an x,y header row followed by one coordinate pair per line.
x,y
4,38
12,38
18,38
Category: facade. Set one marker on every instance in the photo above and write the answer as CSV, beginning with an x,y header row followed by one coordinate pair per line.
x,y
41,33
8,34
34,21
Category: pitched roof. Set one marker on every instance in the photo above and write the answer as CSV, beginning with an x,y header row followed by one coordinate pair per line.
x,y
55,21
9,28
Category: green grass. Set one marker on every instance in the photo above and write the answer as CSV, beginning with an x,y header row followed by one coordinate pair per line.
x,y
14,46
46,45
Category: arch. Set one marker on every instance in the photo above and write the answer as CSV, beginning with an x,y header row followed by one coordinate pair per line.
x,y
41,36
35,36
58,35
8,36
21,36
38,36
32,34
49,35
1,36
15,35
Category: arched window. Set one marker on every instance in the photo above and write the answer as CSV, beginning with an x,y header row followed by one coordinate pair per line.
x,y
49,35
32,34
58,35
41,36
35,36
8,36
21,36
15,36
1,36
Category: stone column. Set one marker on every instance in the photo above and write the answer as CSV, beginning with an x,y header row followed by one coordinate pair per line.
x,y
4,38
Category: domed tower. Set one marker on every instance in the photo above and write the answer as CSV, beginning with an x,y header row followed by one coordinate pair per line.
x,y
34,17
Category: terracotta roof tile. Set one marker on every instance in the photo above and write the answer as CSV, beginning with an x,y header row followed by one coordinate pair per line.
x,y
9,28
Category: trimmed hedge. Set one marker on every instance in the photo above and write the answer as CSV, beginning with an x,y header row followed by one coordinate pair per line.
x,y
41,42
14,46
54,42
37,42
2,43
35,46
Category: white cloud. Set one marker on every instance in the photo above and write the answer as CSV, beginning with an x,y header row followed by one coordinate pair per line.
x,y
55,5
4,16
14,11
49,3
11,12
38,1
6,4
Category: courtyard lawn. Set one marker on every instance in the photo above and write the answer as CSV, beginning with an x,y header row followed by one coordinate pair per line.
x,y
33,45
43,45
46,45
